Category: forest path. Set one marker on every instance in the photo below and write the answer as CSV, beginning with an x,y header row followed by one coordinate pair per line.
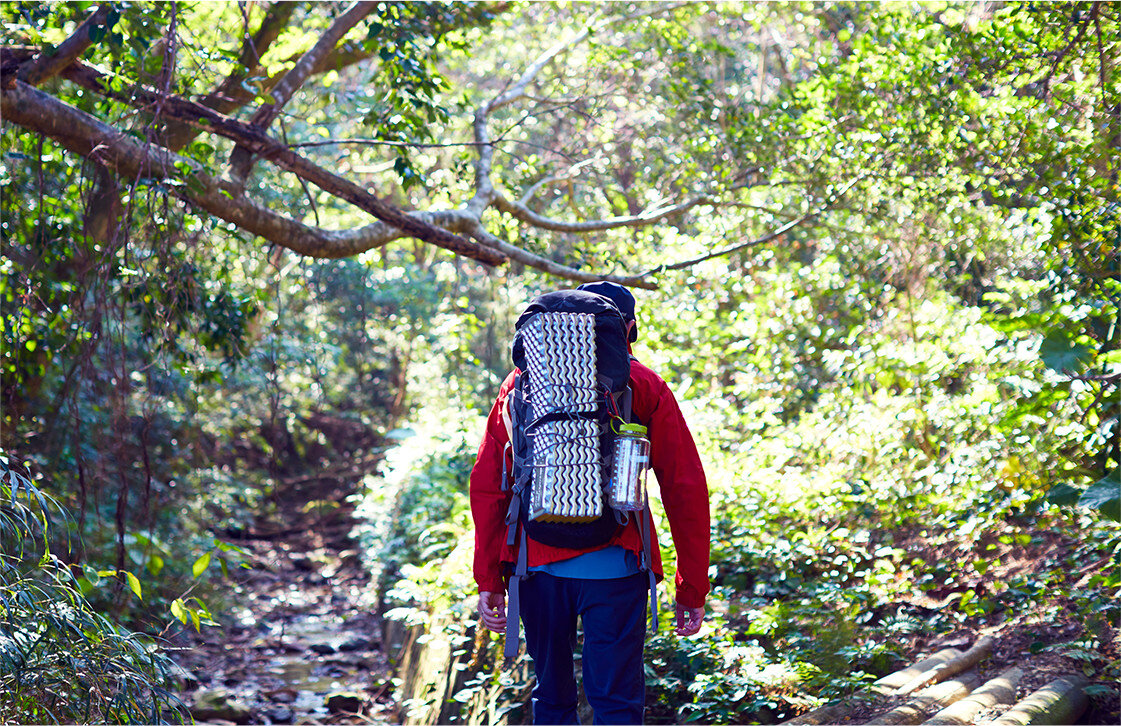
x,y
304,644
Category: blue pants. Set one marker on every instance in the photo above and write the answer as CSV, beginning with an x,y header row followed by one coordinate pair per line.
x,y
614,617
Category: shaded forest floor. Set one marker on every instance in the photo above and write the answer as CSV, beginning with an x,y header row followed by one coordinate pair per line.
x,y
301,637
1047,638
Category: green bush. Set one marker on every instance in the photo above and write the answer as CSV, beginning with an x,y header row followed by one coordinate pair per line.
x,y
60,660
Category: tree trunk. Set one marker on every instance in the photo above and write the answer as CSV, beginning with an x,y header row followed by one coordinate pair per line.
x,y
1061,701
1000,691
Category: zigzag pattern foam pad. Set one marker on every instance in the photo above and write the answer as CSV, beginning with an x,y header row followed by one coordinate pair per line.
x,y
560,353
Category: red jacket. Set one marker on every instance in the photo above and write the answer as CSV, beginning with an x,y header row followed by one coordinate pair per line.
x,y
674,459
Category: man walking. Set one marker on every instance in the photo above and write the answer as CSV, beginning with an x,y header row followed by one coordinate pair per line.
x,y
604,585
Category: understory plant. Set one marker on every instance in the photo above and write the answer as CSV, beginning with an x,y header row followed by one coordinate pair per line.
x,y
61,661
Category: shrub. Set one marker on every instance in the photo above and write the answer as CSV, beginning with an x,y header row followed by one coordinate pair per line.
x,y
60,660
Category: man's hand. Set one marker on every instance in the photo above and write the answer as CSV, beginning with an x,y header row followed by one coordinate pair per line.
x,y
689,620
492,608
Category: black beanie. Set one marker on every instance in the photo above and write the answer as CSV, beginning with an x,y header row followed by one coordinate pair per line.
x,y
619,295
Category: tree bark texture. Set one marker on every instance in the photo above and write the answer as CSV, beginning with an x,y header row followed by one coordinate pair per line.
x,y
1000,691
241,159
967,660
45,65
892,682
832,713
179,120
131,158
1061,701
232,93
929,700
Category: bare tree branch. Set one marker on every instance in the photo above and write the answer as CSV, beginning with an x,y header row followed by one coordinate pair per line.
x,y
554,268
231,93
277,153
736,248
594,25
484,187
83,134
240,159
305,67
567,176
485,193
527,215
517,91
760,240
47,65
227,202
379,142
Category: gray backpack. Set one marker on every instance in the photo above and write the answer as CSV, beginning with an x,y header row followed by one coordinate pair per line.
x,y
573,374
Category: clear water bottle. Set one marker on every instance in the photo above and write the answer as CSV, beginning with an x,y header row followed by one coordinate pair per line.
x,y
627,488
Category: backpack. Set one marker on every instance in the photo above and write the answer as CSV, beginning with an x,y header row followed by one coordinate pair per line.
x,y
572,381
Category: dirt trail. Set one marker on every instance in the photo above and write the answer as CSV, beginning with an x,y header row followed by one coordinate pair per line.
x,y
304,645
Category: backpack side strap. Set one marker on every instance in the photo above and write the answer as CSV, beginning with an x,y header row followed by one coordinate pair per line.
x,y
645,563
513,610
644,532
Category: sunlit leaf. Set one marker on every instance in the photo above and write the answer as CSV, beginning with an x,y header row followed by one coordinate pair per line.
x,y
200,565
133,583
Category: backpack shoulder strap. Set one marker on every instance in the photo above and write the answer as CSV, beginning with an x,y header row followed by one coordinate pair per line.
x,y
510,417
506,410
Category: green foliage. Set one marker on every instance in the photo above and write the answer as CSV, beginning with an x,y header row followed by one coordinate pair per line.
x,y
420,544
429,519
60,660
913,385
715,679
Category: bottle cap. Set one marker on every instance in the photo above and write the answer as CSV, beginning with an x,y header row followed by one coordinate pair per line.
x,y
632,428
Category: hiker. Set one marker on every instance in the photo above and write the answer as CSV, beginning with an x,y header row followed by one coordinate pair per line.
x,y
605,585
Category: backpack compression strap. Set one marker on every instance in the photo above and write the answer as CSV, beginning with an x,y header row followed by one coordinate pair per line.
x,y
643,530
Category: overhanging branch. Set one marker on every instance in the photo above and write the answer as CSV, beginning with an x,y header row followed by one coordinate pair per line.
x,y
485,193
283,91
240,159
527,215
734,248
759,240
556,269
283,157
46,65
86,136
232,92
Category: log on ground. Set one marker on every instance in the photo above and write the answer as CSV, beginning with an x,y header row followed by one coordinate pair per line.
x,y
894,681
945,671
1000,691
1061,701
929,700
836,712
